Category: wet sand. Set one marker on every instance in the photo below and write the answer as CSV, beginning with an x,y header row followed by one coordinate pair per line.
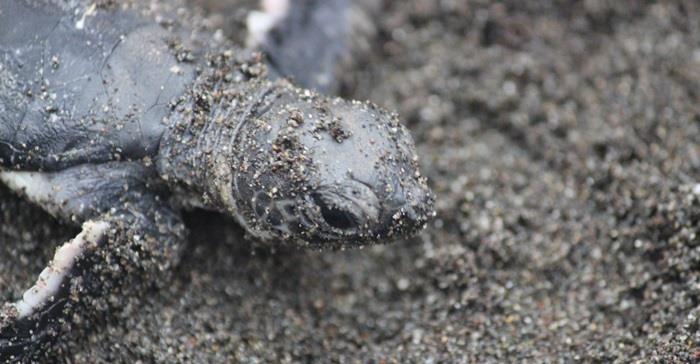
x,y
562,142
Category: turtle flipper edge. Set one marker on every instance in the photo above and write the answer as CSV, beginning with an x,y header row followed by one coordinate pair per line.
x,y
129,243
116,255
27,322
303,40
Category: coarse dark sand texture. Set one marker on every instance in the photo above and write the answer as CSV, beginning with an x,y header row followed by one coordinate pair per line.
x,y
562,140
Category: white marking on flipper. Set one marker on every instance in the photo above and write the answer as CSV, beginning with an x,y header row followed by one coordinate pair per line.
x,y
259,23
80,24
39,188
276,8
36,186
52,276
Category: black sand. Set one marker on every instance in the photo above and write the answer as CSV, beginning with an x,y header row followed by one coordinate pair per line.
x,y
562,141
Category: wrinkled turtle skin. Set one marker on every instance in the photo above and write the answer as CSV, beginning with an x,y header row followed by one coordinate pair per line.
x,y
116,116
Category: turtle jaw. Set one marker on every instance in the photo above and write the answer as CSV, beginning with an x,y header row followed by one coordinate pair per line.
x,y
338,217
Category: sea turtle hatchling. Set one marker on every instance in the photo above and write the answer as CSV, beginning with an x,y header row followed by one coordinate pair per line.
x,y
118,115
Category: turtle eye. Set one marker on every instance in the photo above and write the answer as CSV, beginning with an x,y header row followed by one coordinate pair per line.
x,y
334,215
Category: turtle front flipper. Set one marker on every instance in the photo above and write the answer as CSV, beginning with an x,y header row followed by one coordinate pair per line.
x,y
129,242
33,319
304,40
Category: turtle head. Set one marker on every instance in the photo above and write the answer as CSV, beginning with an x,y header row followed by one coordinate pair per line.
x,y
327,172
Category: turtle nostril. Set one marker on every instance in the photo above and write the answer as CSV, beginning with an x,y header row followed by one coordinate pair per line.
x,y
335,216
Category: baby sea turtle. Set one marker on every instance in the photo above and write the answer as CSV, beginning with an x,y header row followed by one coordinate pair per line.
x,y
118,115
